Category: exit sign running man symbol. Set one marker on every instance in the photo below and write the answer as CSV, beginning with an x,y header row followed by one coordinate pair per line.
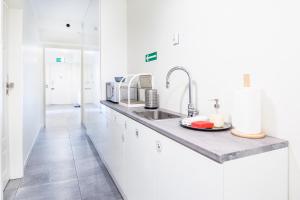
x,y
151,57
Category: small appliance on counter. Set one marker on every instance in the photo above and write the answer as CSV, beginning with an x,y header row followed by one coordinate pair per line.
x,y
151,99
113,90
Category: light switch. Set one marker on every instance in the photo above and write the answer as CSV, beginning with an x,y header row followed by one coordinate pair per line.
x,y
175,39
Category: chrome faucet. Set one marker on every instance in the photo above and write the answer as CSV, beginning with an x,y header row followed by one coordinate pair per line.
x,y
192,111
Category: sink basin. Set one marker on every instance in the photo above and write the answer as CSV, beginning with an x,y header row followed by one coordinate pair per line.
x,y
156,115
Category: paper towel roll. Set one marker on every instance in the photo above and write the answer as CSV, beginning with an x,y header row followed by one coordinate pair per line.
x,y
246,117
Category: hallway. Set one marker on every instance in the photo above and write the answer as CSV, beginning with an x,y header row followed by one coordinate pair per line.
x,y
63,164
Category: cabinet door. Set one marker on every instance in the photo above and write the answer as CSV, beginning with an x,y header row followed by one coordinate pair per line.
x,y
92,120
138,162
95,124
130,161
185,174
106,137
101,133
262,176
111,141
99,129
117,146
146,167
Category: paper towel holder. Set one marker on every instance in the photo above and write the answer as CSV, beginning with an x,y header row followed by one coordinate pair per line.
x,y
247,80
247,84
249,136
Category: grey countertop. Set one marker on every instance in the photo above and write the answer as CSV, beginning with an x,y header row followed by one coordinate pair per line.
x,y
218,146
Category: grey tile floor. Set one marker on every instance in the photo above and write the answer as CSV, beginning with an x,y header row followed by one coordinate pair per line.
x,y
63,164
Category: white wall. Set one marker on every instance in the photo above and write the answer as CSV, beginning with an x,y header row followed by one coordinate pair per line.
x,y
113,40
219,41
32,80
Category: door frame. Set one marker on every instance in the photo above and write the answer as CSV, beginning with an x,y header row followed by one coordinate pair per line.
x,y
44,77
1,94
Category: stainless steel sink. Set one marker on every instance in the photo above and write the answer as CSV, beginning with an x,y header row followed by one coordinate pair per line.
x,y
156,114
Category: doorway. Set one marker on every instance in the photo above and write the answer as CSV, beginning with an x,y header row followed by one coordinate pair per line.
x,y
62,81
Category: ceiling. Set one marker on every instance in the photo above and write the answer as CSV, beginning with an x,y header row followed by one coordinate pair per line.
x,y
53,15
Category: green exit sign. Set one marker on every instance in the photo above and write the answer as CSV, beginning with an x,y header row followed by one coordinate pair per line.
x,y
151,57
59,60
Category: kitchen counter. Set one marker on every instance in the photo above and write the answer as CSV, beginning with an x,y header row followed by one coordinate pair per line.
x,y
218,146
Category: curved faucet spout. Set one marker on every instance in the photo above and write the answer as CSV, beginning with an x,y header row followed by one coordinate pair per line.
x,y
191,109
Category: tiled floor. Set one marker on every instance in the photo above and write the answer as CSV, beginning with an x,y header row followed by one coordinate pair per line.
x,y
63,164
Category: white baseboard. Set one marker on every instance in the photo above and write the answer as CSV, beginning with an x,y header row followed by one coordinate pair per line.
x,y
32,145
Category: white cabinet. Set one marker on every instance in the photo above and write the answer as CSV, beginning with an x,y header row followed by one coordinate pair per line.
x,y
98,137
159,168
95,123
262,177
112,143
117,147
149,166
107,138
139,162
103,130
130,161
185,174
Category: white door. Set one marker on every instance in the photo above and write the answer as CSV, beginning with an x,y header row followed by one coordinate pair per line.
x,y
59,85
4,137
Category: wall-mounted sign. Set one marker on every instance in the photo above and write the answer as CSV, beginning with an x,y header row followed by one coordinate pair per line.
x,y
59,60
151,57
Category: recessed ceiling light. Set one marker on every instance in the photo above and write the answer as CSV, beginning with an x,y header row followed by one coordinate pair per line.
x,y
68,25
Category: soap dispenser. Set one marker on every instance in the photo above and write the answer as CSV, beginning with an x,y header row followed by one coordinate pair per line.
x,y
217,118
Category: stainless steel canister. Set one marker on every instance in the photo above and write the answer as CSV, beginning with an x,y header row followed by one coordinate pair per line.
x,y
151,99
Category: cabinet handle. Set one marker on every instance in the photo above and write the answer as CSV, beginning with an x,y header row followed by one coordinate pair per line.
x,y
125,125
115,118
123,138
137,133
158,147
